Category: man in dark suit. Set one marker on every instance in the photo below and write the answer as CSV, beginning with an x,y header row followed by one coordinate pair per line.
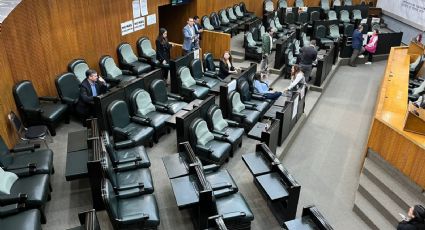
x,y
308,56
92,86
357,44
198,31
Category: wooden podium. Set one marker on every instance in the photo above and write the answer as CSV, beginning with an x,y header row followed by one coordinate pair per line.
x,y
415,120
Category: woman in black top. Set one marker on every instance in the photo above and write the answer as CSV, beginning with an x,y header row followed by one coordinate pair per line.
x,y
163,51
415,221
226,66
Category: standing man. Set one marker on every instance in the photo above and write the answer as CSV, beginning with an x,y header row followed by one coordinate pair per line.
x,y
308,56
91,87
188,37
266,48
198,31
357,44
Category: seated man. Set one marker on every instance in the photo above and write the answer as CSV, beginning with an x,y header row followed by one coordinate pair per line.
x,y
92,86
261,85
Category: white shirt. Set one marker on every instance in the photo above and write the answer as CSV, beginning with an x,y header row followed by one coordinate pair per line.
x,y
271,42
298,78
192,32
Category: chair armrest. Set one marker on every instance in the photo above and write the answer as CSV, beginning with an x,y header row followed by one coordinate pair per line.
x,y
232,123
109,79
31,148
204,149
131,186
175,96
240,115
142,59
187,93
221,185
223,192
121,132
69,101
258,96
250,106
24,171
210,74
47,98
219,137
201,83
134,218
124,144
161,108
161,104
129,160
126,72
13,199
11,209
141,120
33,113
211,167
220,133
233,215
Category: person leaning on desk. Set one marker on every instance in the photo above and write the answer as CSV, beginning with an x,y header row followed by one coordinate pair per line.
x,y
297,79
92,86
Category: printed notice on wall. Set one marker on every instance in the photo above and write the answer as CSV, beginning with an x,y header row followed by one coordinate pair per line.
x,y
139,23
151,19
144,7
136,8
126,27
196,54
295,108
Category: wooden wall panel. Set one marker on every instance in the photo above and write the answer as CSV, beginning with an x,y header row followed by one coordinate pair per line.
x,y
215,43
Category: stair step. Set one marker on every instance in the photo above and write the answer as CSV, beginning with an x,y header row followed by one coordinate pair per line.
x,y
237,52
371,216
381,201
238,58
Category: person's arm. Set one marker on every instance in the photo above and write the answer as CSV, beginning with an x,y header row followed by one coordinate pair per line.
x,y
186,33
85,95
260,87
298,78
159,51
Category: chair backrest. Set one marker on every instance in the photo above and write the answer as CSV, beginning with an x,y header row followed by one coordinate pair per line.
x,y
209,62
235,102
109,146
196,68
282,4
324,4
303,17
277,23
299,3
201,132
376,26
215,19
336,3
5,157
141,102
348,2
144,47
185,77
334,31
419,90
238,11
118,114
314,16
108,67
126,54
25,95
223,16
256,35
206,23
79,68
215,118
231,13
244,90
249,40
357,14
271,23
289,18
16,123
108,169
110,200
348,29
158,90
332,15
344,16
68,86
290,56
320,31
268,6
262,30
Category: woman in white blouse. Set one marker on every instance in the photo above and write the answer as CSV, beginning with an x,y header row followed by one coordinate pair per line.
x,y
297,78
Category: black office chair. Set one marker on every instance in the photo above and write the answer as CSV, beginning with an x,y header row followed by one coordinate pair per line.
x,y
190,88
33,112
348,2
252,50
245,11
224,20
334,32
143,108
68,87
324,4
240,14
216,22
282,4
206,23
128,60
112,73
145,50
268,6
231,11
208,78
125,127
299,3
233,19
139,212
302,18
332,15
244,114
320,34
27,134
163,100
344,16
348,29
208,147
209,66
16,216
78,67
258,102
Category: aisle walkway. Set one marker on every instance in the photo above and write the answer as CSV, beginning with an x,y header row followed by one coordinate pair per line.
x,y
326,156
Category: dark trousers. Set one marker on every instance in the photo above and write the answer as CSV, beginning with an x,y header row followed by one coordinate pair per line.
x,y
369,55
306,70
356,53
273,96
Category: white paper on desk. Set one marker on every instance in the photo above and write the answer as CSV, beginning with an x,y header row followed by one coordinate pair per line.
x,y
151,19
136,8
144,7
295,108
302,92
139,23
196,54
127,27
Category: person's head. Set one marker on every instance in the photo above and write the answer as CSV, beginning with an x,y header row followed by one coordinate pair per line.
x,y
417,212
271,30
163,33
375,31
196,19
190,21
295,69
313,42
227,56
91,75
360,28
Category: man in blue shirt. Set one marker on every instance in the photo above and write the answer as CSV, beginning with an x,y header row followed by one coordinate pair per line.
x,y
357,44
261,86
91,87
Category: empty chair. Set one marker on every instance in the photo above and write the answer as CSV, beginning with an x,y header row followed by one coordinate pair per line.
x,y
209,66
289,18
232,17
163,100
139,212
144,108
244,114
125,127
208,147
303,18
128,60
234,210
37,132
210,80
415,93
78,67
277,34
22,156
291,59
68,87
324,4
190,88
299,3
357,15
252,51
320,34
256,35
344,16
112,73
314,16
224,20
232,130
268,6
240,14
245,11
127,183
259,102
15,217
145,50
348,29
336,3
282,4
216,22
334,32
123,156
297,46
332,15
348,2
277,24
206,23
33,112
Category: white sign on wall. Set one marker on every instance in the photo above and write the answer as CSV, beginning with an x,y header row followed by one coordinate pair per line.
x,y
144,7
411,12
136,8
139,23
127,27
151,19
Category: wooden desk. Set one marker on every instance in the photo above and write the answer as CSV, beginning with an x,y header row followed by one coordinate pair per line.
x,y
404,150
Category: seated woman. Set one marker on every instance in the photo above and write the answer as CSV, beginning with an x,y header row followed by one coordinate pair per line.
x,y
226,66
261,85
297,79
415,219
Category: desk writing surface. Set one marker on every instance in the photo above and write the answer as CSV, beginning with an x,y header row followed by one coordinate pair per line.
x,y
175,165
304,223
189,106
283,100
76,165
255,132
77,141
256,163
271,112
172,120
272,185
184,191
